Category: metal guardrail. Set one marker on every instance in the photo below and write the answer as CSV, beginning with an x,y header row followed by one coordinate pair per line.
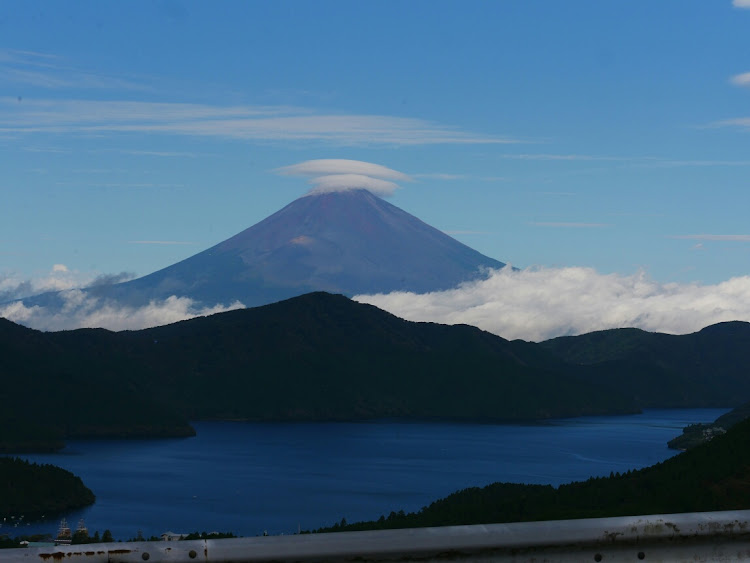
x,y
698,536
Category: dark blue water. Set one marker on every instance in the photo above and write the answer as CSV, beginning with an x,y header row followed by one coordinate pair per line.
x,y
247,478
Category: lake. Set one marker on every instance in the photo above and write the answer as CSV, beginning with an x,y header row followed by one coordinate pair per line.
x,y
248,478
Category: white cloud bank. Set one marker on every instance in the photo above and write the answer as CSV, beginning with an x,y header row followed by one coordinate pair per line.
x,y
533,304
59,278
741,3
83,311
338,175
544,303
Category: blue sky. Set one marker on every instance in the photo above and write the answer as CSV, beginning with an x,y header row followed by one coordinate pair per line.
x,y
602,135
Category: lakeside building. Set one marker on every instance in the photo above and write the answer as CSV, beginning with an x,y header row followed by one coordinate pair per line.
x,y
171,536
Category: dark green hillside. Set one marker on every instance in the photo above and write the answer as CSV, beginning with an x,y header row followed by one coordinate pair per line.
x,y
714,476
31,490
323,356
706,368
314,357
696,434
55,385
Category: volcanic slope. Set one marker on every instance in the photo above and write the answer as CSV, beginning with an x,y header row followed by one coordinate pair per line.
x,y
349,242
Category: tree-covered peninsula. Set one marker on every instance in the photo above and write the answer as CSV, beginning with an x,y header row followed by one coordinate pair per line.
x,y
698,433
29,490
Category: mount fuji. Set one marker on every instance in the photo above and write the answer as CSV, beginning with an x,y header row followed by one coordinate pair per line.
x,y
349,242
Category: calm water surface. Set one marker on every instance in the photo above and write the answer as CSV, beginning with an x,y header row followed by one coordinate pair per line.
x,y
249,477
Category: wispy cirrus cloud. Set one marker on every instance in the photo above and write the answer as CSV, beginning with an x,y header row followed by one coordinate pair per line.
x,y
165,154
52,72
441,176
35,115
445,177
741,122
569,224
22,57
251,123
731,238
641,161
65,79
53,150
741,79
568,157
24,116
121,185
162,242
701,163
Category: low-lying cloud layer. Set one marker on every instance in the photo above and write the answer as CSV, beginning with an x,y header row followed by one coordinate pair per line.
x,y
533,304
83,311
59,278
544,303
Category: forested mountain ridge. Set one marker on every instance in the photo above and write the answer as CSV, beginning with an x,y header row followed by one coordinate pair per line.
x,y
324,357
706,368
628,343
314,357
